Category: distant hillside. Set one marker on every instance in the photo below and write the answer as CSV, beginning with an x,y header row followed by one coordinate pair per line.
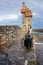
x,y
37,30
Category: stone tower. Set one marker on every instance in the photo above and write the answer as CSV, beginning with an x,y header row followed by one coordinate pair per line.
x,y
26,18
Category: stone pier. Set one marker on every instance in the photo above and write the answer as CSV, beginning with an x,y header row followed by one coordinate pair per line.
x,y
18,55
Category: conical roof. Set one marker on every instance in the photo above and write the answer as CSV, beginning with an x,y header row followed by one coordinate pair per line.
x,y
23,9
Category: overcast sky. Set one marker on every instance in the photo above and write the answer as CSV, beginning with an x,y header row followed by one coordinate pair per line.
x,y
10,12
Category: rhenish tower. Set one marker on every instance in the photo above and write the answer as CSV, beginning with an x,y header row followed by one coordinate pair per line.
x,y
26,18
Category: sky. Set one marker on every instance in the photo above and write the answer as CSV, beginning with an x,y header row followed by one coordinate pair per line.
x,y
10,12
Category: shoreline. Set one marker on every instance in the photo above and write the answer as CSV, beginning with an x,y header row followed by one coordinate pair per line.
x,y
38,38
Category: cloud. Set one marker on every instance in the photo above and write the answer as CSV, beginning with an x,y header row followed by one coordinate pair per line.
x,y
10,17
35,14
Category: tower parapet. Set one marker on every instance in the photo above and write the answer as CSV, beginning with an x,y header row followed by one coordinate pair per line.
x,y
28,14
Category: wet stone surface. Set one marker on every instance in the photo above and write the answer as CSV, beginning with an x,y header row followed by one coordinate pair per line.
x,y
4,60
17,54
39,54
